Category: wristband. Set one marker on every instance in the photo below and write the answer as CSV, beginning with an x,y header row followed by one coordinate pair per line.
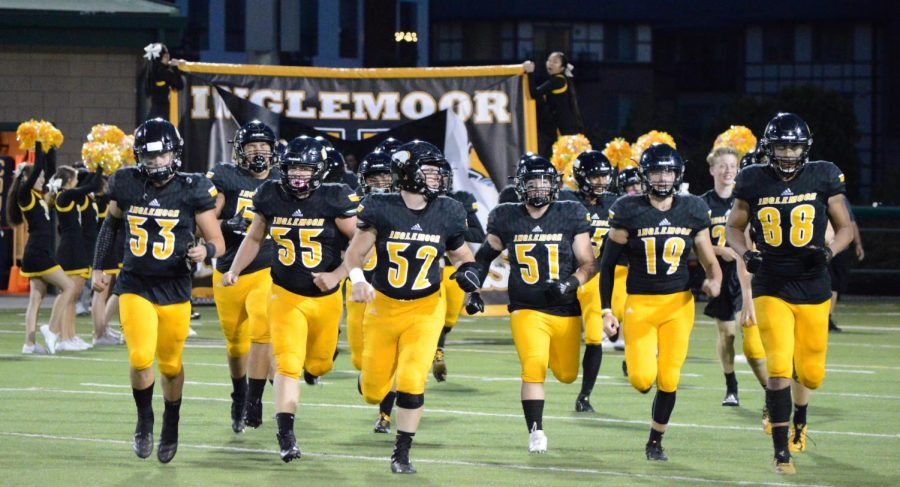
x,y
357,276
210,252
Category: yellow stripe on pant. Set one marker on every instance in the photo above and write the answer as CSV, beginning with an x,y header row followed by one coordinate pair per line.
x,y
304,331
355,313
152,329
544,340
453,294
657,331
399,336
795,337
589,299
243,310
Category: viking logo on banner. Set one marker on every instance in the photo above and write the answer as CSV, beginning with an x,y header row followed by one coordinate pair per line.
x,y
480,115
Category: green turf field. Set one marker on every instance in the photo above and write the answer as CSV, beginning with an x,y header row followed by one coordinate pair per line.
x,y
68,420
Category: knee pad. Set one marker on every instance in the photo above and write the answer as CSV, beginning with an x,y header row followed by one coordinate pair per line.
x,y
169,368
811,376
141,359
319,367
288,365
238,349
410,401
641,382
534,369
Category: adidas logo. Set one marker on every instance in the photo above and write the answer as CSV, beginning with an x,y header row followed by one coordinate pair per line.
x,y
664,222
298,212
537,229
595,217
417,228
154,202
787,192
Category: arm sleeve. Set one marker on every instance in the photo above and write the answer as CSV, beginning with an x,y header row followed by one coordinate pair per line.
x,y
484,257
91,184
611,252
106,239
24,195
547,87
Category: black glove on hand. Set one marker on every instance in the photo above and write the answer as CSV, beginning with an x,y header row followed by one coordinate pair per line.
x,y
467,277
474,303
818,257
557,289
753,260
236,224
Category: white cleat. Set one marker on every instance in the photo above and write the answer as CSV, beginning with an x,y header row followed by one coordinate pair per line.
x,y
191,332
52,339
108,338
69,345
35,349
537,442
81,343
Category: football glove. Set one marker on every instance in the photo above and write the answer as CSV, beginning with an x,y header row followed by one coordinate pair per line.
x,y
467,277
474,303
557,289
236,224
753,260
817,257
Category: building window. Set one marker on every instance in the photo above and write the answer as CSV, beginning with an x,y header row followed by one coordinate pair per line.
x,y
349,35
448,41
235,25
587,42
309,28
407,35
551,38
832,44
778,44
197,33
620,43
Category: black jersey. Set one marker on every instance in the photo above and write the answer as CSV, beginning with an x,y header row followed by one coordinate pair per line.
x,y
39,255
304,231
409,243
238,186
787,218
70,251
599,213
540,250
159,229
474,230
89,226
659,241
719,208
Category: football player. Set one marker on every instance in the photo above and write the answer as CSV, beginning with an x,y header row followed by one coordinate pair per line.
x,y
787,203
593,174
310,222
509,194
550,256
336,170
658,229
405,312
160,207
242,308
735,293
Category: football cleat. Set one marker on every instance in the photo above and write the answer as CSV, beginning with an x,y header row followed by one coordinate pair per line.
x,y
108,338
798,439
143,437
731,399
195,315
50,338
35,349
624,369
192,332
310,379
383,423
238,405
832,326
583,404
400,462
439,367
168,440
767,425
655,452
253,413
537,442
288,445
785,466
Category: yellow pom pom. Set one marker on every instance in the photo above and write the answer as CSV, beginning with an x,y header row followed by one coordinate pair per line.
x,y
618,151
106,133
737,137
33,131
651,138
127,148
101,154
565,150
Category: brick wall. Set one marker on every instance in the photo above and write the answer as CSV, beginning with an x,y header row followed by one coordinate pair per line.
x,y
72,90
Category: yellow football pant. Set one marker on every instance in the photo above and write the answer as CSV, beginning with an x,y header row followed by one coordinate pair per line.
x,y
152,329
753,347
544,340
399,336
795,337
589,298
304,331
243,310
657,331
620,292
454,295
355,313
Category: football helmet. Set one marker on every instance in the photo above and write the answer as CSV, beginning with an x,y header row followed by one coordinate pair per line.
x,y
374,163
406,168
253,131
661,157
388,145
627,177
536,168
335,166
786,129
304,152
152,138
589,164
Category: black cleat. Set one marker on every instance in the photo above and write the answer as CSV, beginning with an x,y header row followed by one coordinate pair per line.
x,y
195,315
583,404
143,437
310,379
438,366
237,413
400,463
832,327
624,369
731,399
253,413
383,423
288,445
168,441
655,452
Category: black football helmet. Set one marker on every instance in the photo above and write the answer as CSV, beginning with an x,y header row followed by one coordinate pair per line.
x,y
303,152
253,131
335,166
388,145
406,168
587,165
324,141
661,157
786,129
627,177
533,167
374,163
153,137
447,177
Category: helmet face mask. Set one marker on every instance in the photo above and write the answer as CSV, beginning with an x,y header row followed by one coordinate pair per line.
x,y
661,170
302,166
592,172
253,147
375,173
661,181
786,158
417,167
157,147
537,181
786,143
629,181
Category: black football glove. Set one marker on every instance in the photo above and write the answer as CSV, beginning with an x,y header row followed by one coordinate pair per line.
x,y
467,277
557,289
474,303
753,260
817,257
236,224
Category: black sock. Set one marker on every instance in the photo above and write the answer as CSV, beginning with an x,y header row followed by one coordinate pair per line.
x,y
403,442
143,399
780,440
171,416
731,383
239,386
590,364
779,404
655,436
255,390
387,404
663,404
534,414
285,422
443,337
800,414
